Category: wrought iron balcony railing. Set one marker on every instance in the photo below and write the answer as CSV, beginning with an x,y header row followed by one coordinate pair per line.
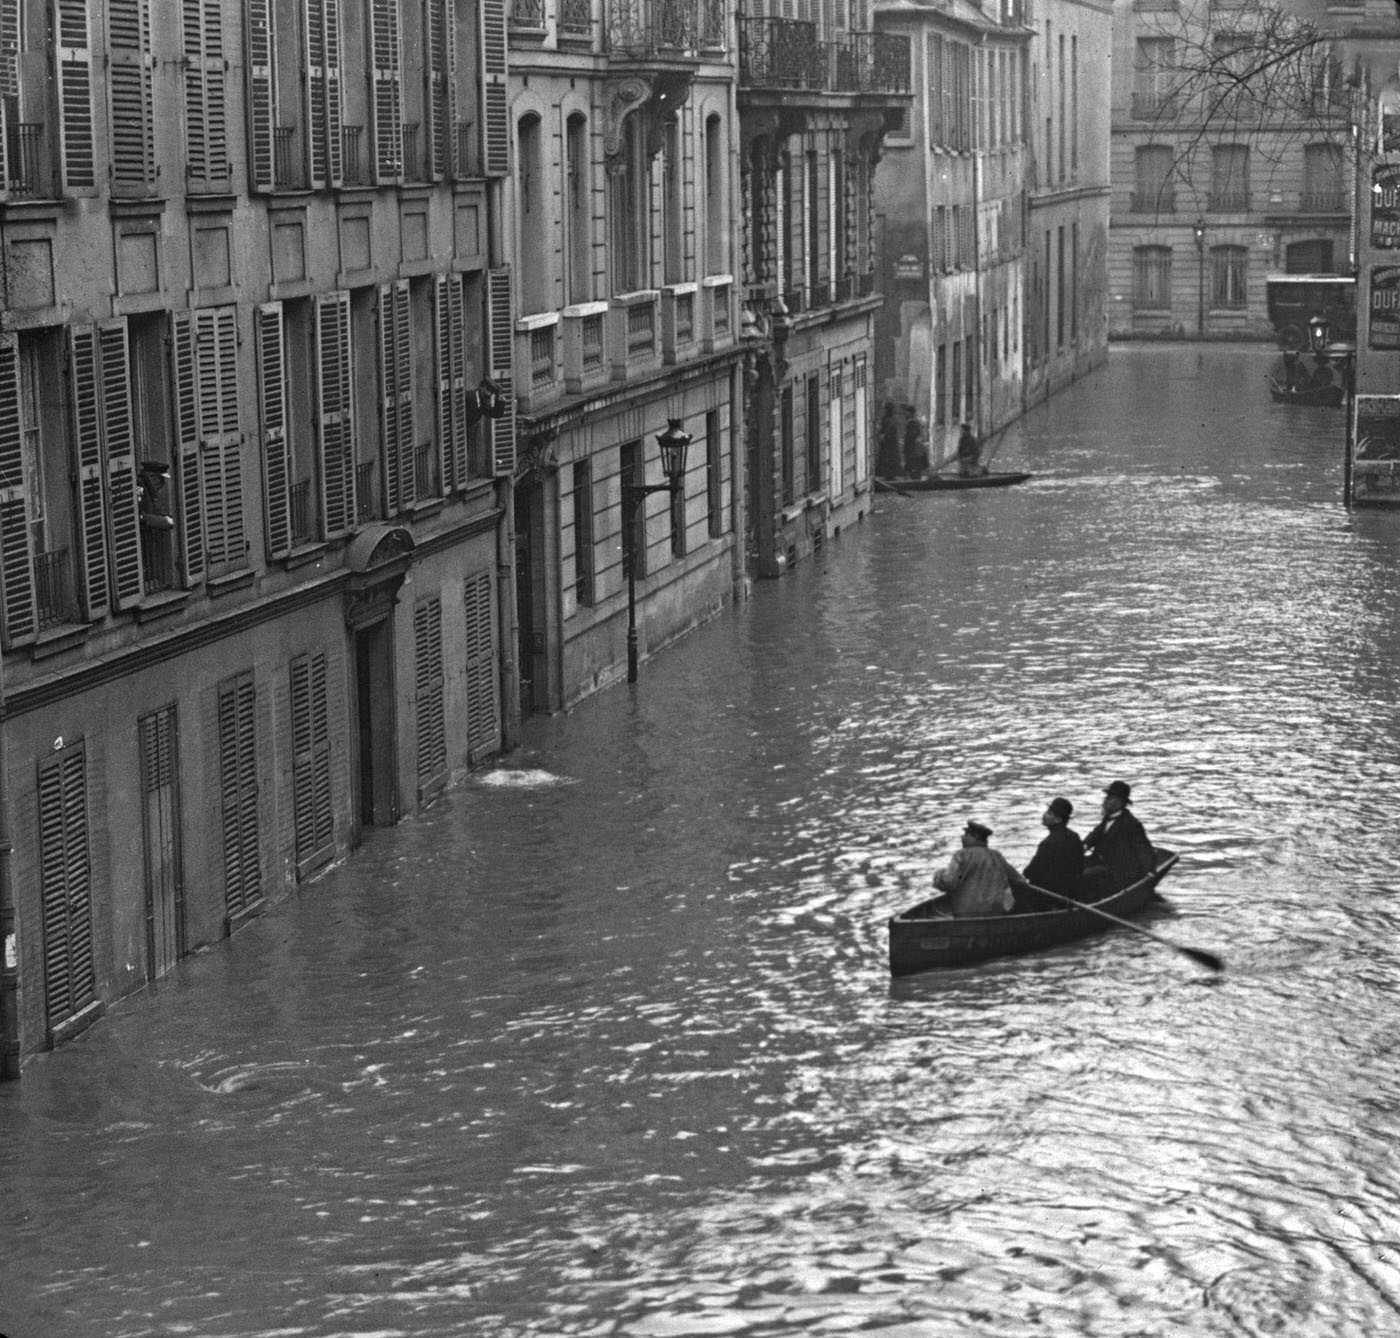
x,y
787,53
645,28
1229,201
1154,202
575,18
1322,202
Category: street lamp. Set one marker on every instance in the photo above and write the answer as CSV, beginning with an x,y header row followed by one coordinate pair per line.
x,y
1200,230
1319,333
673,442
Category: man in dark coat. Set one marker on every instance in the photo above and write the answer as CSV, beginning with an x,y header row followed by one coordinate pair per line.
x,y
1119,842
1058,862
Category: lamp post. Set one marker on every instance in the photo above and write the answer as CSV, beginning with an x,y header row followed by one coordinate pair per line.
x,y
673,442
1344,356
1200,230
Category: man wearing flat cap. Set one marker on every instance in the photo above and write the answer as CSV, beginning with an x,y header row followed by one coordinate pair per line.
x,y
978,880
1119,842
1058,863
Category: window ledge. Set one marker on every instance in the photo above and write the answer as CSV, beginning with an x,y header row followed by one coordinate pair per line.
x,y
226,585
426,510
304,555
55,640
161,605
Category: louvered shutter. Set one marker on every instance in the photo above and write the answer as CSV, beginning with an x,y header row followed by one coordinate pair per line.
x,y
65,878
186,407
259,39
442,88
483,693
323,90
9,83
314,814
238,794
396,399
272,402
430,718
75,116
495,111
119,448
388,91
16,559
92,504
220,455
206,113
335,394
451,380
129,76
500,340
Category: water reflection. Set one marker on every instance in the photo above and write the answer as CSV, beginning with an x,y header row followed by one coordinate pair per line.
x,y
606,1045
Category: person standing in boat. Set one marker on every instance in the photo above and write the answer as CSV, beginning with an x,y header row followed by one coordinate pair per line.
x,y
890,459
915,450
1119,842
969,453
977,880
1058,863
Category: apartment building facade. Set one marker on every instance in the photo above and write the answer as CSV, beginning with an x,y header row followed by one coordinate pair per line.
x,y
257,449
818,90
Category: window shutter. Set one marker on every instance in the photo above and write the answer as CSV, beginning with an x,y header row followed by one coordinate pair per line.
x,y
483,695
323,90
500,339
119,443
431,724
396,387
259,38
221,464
9,82
314,814
495,112
335,393
442,88
206,115
388,92
75,119
16,562
186,395
65,876
87,435
129,74
272,402
451,380
238,794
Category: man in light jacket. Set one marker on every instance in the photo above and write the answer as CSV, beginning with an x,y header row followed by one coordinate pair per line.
x,y
978,880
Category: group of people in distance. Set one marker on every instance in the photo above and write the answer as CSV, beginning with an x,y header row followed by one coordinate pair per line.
x,y
980,881
906,453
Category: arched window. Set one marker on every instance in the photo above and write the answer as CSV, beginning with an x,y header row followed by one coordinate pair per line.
x,y
1152,278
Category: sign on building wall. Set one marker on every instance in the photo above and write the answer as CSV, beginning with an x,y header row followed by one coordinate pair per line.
x,y
1385,206
1375,466
1383,308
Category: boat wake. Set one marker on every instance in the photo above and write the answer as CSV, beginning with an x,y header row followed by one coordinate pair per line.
x,y
522,778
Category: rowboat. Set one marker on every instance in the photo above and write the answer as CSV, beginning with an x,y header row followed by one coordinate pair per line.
x,y
1328,396
955,482
921,942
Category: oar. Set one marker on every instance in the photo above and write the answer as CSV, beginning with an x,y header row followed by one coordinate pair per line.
x,y
1207,959
887,486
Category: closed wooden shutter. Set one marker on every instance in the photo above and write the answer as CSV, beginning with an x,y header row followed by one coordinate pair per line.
x,y
129,74
186,409
65,878
92,503
335,393
495,108
500,340
220,453
387,102
119,447
9,83
238,794
396,395
483,680
160,815
258,14
75,114
206,113
323,86
314,813
428,685
272,402
449,319
442,88
16,558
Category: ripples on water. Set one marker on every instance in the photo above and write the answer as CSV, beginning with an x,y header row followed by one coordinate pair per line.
x,y
606,1045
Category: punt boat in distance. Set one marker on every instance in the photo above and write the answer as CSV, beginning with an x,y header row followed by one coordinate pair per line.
x,y
922,942
954,482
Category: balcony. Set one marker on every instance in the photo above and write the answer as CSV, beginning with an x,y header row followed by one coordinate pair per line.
x,y
1154,202
643,29
527,16
53,588
584,339
27,175
677,321
353,167
575,20
787,54
716,324
631,335
1323,202
537,351
1229,202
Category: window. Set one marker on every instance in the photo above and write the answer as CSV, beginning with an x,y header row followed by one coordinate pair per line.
x,y
628,214
1152,279
1324,187
1152,180
714,475
65,877
634,547
578,210
1154,62
716,229
238,795
1229,178
535,233
429,716
813,430
129,75
1229,267
313,817
583,532
672,214
207,163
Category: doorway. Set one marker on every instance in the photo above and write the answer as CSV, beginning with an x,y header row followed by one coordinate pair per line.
x,y
374,705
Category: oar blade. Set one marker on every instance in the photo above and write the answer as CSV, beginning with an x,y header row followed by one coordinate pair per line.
x,y
1207,959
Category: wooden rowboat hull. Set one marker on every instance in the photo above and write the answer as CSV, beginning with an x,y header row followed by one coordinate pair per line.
x,y
954,483
1324,396
921,943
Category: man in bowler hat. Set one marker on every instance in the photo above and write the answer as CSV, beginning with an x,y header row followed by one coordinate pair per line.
x,y
1058,863
1119,842
978,880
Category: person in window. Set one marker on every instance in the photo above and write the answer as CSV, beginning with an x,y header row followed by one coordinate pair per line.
x,y
1119,843
969,453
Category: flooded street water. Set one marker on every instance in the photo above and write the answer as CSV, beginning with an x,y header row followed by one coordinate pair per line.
x,y
606,1043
